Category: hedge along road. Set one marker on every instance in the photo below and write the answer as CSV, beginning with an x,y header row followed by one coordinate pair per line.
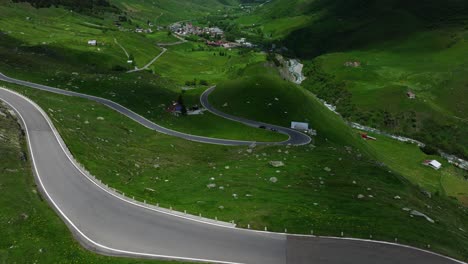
x,y
109,225
295,137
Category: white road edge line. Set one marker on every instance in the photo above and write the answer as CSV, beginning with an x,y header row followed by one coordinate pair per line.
x,y
181,258
97,99
208,92
73,224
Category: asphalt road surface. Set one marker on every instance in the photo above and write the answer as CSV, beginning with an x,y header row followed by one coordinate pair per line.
x,y
294,139
112,226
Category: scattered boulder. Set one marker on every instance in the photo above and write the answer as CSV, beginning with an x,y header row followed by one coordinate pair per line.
x,y
427,193
327,169
149,190
276,164
211,185
249,151
156,166
225,104
221,207
360,196
417,213
273,179
24,216
234,195
397,197
100,118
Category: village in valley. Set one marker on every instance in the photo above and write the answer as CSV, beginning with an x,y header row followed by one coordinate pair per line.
x,y
214,36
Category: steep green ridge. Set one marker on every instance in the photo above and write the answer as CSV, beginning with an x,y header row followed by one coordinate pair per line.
x,y
401,46
337,25
169,11
263,95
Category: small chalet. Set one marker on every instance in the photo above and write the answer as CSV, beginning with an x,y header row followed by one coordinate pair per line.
x,y
365,136
411,95
175,108
433,164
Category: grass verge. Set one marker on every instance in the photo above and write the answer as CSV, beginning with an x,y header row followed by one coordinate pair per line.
x,y
318,188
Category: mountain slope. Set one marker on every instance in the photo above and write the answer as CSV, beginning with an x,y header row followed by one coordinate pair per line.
x,y
169,11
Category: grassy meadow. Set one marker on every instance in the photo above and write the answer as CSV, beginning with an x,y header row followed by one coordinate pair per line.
x,y
192,60
401,45
430,64
51,48
280,102
340,183
317,189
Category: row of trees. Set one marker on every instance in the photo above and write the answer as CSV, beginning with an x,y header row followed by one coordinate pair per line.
x,y
195,81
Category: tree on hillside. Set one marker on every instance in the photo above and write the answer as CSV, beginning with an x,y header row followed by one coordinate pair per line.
x,y
180,101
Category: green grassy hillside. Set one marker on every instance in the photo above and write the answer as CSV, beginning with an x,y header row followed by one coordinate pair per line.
x,y
263,95
49,46
317,189
401,45
169,11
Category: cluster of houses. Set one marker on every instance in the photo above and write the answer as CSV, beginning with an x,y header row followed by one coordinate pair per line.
x,y
141,30
243,42
229,45
224,44
189,29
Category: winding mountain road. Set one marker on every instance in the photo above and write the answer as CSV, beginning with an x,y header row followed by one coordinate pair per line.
x,y
109,225
295,137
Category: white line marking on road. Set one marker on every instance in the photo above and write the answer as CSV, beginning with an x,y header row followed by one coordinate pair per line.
x,y
68,219
164,256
